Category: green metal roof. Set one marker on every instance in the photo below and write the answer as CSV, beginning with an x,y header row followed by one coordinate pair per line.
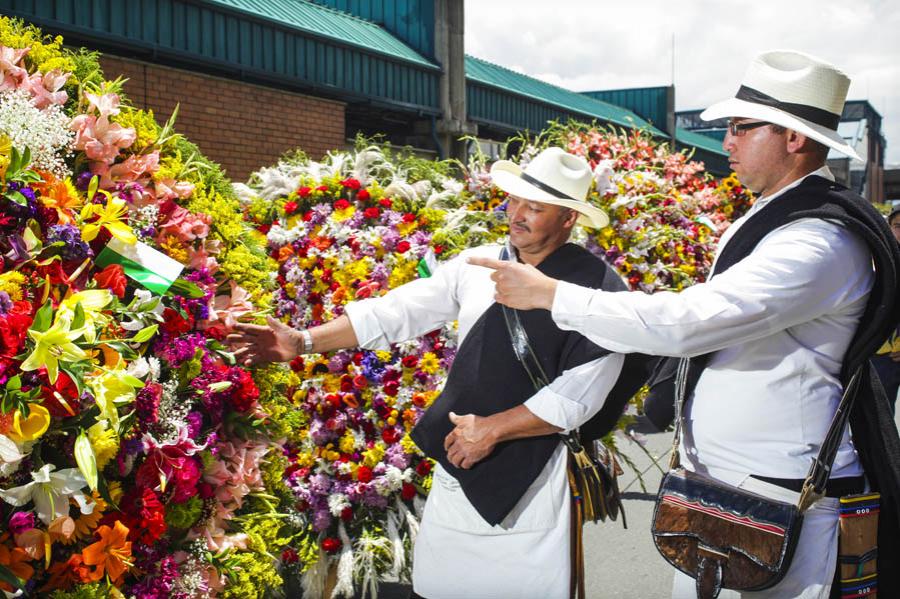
x,y
699,141
508,81
327,22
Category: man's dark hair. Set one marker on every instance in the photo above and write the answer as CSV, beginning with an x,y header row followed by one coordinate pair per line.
x,y
895,213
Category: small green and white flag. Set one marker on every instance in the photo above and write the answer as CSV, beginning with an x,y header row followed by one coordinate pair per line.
x,y
427,265
147,266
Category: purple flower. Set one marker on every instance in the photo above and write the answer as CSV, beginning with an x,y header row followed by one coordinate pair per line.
x,y
21,522
74,247
5,303
83,180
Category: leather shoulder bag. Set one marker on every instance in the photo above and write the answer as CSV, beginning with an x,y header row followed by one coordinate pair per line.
x,y
727,537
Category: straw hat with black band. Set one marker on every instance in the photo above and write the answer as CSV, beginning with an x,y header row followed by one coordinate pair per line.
x,y
794,90
552,177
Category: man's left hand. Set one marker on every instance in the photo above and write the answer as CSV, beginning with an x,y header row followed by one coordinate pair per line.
x,y
520,286
470,442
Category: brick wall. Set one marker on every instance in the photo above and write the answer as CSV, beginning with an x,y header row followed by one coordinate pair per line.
x,y
239,125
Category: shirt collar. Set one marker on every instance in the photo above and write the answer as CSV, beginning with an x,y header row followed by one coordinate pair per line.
x,y
822,171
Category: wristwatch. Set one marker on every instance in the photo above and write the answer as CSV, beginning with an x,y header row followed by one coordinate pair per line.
x,y
307,341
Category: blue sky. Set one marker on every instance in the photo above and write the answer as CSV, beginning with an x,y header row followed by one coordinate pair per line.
x,y
597,44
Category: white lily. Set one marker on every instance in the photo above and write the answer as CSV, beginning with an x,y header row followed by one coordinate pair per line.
x,y
10,456
50,491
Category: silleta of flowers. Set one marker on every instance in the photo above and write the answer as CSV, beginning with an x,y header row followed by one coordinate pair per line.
x,y
132,451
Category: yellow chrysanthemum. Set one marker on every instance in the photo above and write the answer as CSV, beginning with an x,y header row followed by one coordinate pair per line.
x,y
12,282
429,363
104,442
372,457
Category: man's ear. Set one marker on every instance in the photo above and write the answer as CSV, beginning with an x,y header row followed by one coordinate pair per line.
x,y
571,217
795,143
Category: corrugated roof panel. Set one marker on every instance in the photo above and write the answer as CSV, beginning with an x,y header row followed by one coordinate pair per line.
x,y
508,81
699,141
323,21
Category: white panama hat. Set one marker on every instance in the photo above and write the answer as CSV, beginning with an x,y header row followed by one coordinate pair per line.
x,y
552,177
794,90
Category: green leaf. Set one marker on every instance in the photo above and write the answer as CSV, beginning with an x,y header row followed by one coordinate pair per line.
x,y
26,158
185,289
122,348
8,577
131,380
14,384
86,460
15,196
145,334
78,321
44,317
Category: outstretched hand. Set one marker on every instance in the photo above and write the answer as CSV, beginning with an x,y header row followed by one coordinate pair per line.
x,y
257,344
470,441
520,286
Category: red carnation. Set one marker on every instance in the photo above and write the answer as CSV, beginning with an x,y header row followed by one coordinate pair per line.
x,y
407,491
113,278
14,328
289,556
244,398
409,361
297,364
390,436
386,203
351,183
363,195
290,207
403,246
347,514
391,388
341,204
175,324
409,217
331,545
322,188
304,192
371,212
307,216
364,474
423,468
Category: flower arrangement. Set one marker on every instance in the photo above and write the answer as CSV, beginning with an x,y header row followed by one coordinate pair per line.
x,y
135,458
348,228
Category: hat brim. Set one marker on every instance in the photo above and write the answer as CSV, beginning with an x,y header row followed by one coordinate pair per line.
x,y
506,175
733,107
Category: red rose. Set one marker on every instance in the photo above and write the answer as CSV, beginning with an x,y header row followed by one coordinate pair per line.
x,y
304,192
386,203
391,388
297,364
358,358
364,474
290,207
423,468
289,556
363,195
407,491
307,216
438,249
341,204
372,212
322,188
331,545
113,278
360,382
347,514
409,217
346,383
403,246
409,361
351,183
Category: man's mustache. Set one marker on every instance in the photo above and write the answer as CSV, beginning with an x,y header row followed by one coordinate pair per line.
x,y
522,226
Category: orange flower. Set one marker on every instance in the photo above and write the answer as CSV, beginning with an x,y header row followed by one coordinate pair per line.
x,y
111,554
60,195
16,561
63,575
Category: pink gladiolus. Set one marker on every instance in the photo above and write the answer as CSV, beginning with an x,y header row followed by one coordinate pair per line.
x,y
99,139
227,309
47,88
170,189
106,105
12,76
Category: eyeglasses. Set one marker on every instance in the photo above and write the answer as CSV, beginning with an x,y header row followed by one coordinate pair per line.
x,y
737,129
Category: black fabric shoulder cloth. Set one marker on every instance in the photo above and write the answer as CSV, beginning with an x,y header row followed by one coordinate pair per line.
x,y
487,378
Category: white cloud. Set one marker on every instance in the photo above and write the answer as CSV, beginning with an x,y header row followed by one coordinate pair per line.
x,y
587,44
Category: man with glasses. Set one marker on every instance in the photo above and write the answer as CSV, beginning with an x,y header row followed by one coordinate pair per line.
x,y
772,326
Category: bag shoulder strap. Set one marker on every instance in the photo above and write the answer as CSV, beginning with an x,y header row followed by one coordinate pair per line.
x,y
522,348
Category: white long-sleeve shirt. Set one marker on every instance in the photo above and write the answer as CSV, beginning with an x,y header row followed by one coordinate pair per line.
x,y
779,323
528,553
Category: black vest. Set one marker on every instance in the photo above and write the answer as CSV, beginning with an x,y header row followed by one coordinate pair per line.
x,y
487,378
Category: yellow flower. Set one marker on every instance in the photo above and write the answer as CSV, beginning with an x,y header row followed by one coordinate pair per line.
x,y
384,356
32,427
5,149
109,216
110,388
372,457
54,346
92,302
104,442
429,363
12,283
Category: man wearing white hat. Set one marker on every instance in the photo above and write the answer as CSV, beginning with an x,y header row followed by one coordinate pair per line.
x,y
497,520
792,308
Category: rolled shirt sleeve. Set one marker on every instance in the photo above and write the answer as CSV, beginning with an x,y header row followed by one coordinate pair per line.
x,y
576,395
799,272
408,311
